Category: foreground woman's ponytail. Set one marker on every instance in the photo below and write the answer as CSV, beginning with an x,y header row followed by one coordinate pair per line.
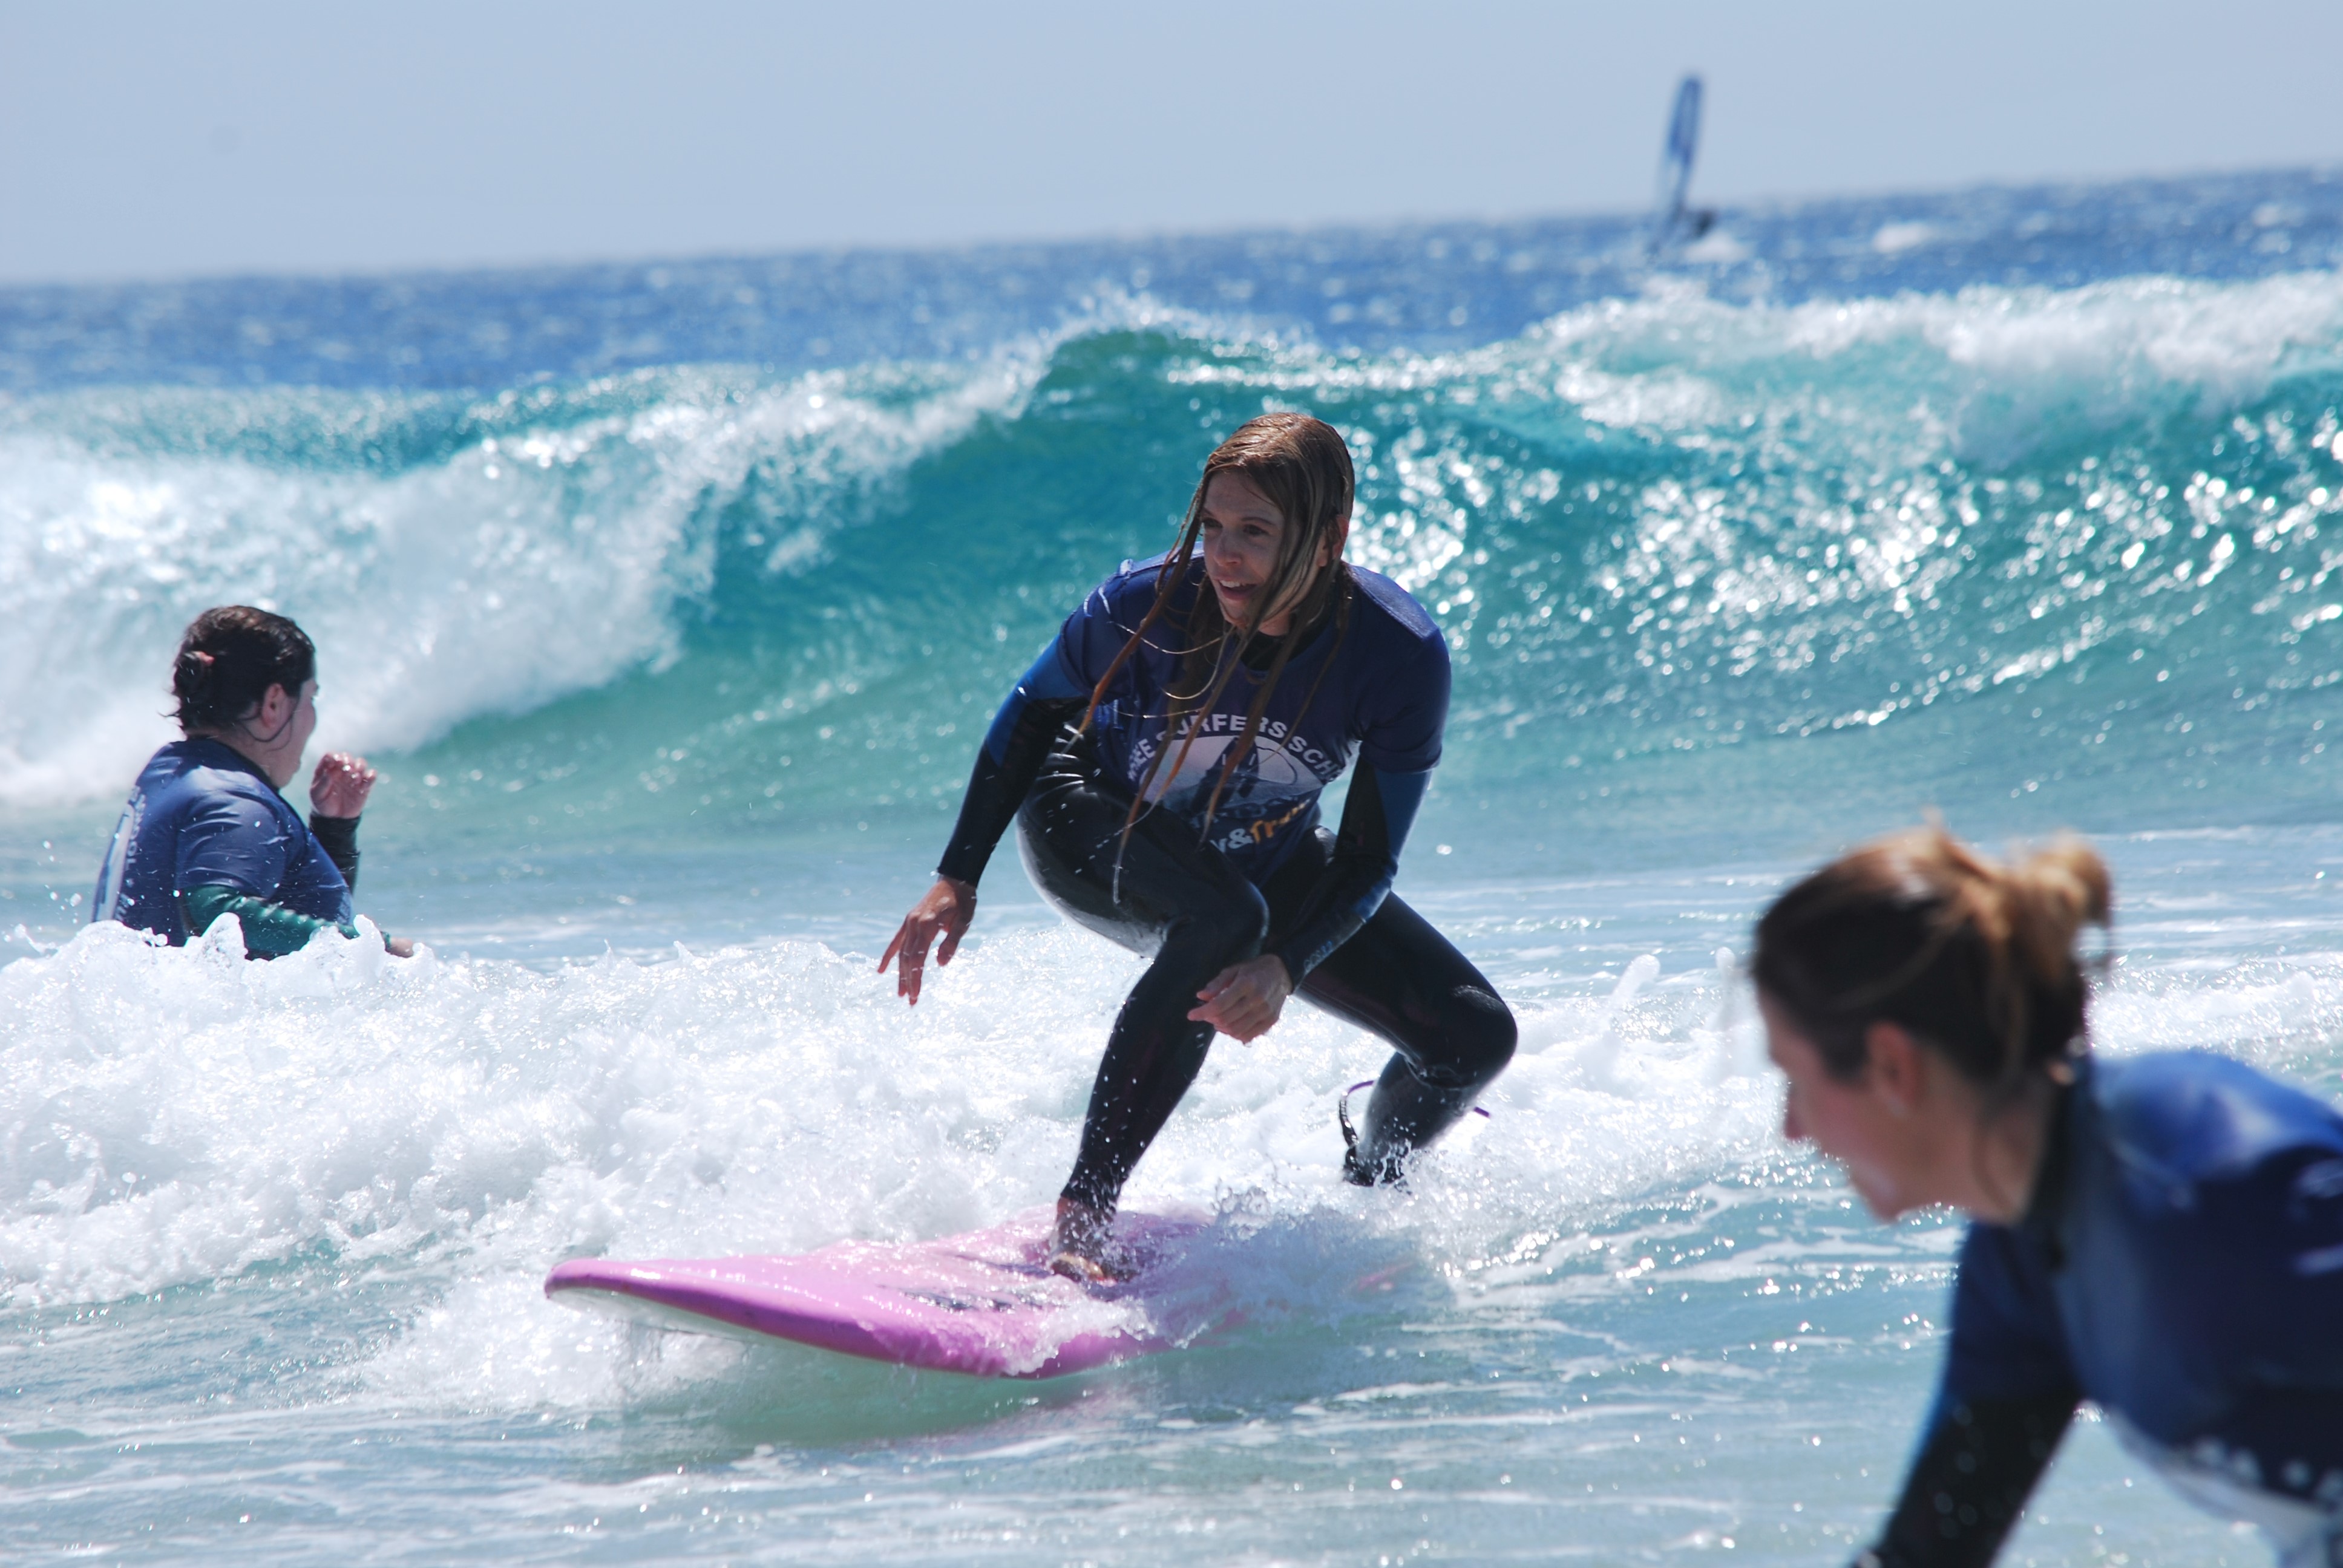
x,y
1974,957
229,657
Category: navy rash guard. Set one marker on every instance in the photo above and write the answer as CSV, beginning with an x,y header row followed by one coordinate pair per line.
x,y
201,816
2180,1265
1369,683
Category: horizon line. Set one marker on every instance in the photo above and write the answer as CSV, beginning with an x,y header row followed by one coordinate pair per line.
x,y
2317,172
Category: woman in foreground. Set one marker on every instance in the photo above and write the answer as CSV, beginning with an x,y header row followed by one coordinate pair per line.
x,y
206,832
2162,1235
1163,760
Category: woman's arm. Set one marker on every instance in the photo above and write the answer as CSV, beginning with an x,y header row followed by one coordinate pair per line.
x,y
270,930
1401,670
1402,717
2007,1393
1375,821
1045,699
1246,999
339,836
1970,1480
337,796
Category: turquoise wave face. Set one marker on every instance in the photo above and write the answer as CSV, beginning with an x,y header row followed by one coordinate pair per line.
x,y
1810,562
1714,574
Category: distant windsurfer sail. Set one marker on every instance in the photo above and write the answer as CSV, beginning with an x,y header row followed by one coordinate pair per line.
x,y
1673,222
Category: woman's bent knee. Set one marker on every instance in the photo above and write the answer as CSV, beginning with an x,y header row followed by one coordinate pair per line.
x,y
1484,1034
1465,1045
1229,931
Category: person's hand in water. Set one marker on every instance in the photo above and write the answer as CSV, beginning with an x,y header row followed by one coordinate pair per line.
x,y
340,785
1243,1001
945,911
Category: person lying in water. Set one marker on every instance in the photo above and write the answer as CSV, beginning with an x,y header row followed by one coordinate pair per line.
x,y
2160,1234
1162,761
206,833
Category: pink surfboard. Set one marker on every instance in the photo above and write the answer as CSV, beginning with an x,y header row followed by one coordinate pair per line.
x,y
985,1303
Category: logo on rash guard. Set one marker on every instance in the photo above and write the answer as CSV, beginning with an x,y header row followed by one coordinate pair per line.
x,y
1262,832
1278,781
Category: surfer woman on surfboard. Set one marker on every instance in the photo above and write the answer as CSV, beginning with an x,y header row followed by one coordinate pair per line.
x,y
1162,761
2160,1234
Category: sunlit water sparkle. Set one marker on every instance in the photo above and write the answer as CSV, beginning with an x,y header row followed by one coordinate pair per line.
x,y
672,610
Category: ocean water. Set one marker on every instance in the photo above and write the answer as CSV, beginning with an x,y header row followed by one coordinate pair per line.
x,y
671,601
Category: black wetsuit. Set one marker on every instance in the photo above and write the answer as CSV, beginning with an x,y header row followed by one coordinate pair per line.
x,y
1372,681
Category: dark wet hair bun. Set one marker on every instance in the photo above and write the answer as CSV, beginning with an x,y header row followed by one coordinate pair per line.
x,y
229,658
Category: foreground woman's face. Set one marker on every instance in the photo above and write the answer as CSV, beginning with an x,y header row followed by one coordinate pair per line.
x,y
1242,530
1867,1131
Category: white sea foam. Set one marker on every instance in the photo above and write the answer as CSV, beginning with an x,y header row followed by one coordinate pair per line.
x,y
1894,239
176,1116
523,567
2003,359
1677,358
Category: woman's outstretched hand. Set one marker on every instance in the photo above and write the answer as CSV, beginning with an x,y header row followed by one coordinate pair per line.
x,y
945,911
340,786
1243,1001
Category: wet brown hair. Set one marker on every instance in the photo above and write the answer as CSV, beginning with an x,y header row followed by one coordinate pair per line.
x,y
1974,956
1303,467
229,657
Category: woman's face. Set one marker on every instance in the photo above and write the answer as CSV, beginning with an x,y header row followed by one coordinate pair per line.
x,y
1242,531
304,721
277,734
1874,1127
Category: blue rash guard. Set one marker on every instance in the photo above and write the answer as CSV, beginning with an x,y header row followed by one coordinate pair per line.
x,y
202,817
2180,1265
1369,683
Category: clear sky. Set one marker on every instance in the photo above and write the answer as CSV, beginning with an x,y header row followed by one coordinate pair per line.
x,y
153,140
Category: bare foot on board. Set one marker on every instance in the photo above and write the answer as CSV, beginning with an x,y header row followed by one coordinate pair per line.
x,y
1077,1246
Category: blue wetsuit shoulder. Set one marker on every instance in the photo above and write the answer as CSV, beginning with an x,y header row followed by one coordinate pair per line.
x,y
200,816
2181,1265
1404,675
1071,666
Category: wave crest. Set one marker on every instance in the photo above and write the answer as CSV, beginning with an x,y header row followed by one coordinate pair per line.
x,y
544,552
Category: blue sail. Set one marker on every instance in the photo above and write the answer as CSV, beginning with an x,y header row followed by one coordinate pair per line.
x,y
1672,219
1682,146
